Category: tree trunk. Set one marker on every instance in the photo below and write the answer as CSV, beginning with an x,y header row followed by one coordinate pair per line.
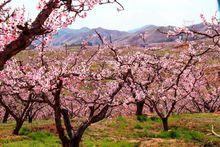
x,y
165,124
66,144
57,114
30,116
140,107
75,142
6,116
60,130
151,109
30,119
27,35
17,127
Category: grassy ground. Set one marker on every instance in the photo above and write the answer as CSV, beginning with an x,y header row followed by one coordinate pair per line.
x,y
185,130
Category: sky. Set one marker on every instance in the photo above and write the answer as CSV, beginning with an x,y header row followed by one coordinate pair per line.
x,y
139,13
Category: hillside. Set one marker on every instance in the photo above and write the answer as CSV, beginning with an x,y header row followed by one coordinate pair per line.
x,y
152,35
75,37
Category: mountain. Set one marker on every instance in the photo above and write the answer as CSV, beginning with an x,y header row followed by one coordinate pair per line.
x,y
76,37
152,33
65,36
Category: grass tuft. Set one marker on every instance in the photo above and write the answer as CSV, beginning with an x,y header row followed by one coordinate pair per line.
x,y
24,131
142,118
138,126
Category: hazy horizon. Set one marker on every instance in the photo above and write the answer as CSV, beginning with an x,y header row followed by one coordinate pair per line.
x,y
84,27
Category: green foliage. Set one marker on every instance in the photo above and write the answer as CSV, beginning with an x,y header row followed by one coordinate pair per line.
x,y
142,118
155,119
24,131
121,119
138,126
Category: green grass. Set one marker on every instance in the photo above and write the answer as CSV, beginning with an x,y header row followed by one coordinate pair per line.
x,y
138,126
29,138
24,131
186,129
109,143
180,133
142,118
31,143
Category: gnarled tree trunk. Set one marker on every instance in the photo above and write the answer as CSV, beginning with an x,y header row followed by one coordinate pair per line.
x,y
165,124
139,107
6,116
18,126
30,119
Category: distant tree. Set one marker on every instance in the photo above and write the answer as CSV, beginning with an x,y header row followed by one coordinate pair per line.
x,y
17,94
206,96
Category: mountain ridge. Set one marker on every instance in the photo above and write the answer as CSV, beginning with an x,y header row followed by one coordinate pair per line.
x,y
73,37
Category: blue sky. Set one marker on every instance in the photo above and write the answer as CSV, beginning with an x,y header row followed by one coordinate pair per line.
x,y
138,13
